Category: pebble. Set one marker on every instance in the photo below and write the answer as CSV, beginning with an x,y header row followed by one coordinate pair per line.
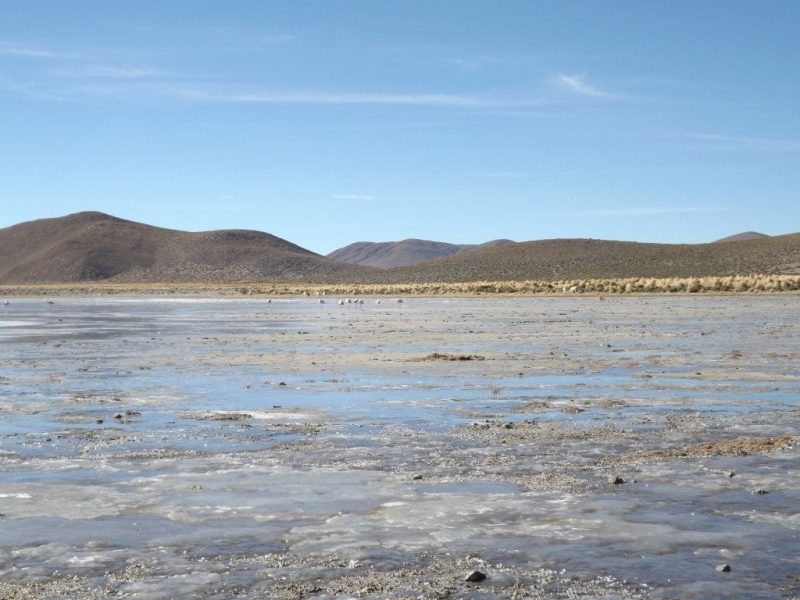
x,y
617,480
724,568
476,576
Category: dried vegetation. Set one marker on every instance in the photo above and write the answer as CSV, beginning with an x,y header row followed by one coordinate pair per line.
x,y
751,284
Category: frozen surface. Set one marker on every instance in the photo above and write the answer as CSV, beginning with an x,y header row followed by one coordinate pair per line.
x,y
156,448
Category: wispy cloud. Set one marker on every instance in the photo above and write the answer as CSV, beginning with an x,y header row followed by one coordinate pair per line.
x,y
577,84
361,197
644,211
471,63
34,52
715,141
73,77
164,89
415,99
109,72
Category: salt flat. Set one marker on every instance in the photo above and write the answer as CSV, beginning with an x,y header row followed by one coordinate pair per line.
x,y
220,448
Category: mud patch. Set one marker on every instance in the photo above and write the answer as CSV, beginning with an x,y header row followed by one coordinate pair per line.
x,y
735,447
434,356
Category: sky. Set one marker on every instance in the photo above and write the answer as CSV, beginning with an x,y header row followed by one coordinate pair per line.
x,y
329,122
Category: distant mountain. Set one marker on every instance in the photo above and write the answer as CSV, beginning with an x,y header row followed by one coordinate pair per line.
x,y
92,246
406,252
745,235
586,258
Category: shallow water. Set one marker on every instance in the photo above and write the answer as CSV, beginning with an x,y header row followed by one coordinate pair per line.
x,y
158,448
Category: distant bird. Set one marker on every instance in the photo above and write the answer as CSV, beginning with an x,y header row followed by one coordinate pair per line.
x,y
50,302
601,299
341,302
360,301
377,301
399,300
6,303
321,301
269,300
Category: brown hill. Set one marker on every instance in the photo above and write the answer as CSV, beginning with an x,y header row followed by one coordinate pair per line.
x,y
585,258
406,252
745,235
92,246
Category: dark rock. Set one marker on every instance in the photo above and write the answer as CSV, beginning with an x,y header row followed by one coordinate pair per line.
x,y
617,480
99,421
761,492
476,577
724,568
417,477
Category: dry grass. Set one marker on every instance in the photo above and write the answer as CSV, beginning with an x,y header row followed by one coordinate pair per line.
x,y
737,284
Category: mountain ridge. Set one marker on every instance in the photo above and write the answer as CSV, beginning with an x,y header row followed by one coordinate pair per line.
x,y
404,252
96,247
743,236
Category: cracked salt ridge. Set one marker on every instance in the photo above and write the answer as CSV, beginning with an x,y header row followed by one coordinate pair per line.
x,y
192,503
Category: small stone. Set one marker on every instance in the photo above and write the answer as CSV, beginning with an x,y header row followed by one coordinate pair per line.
x,y
476,577
724,568
617,480
761,492
417,477
99,421
732,474
118,416
282,383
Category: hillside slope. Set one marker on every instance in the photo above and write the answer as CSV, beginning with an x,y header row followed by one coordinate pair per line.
x,y
745,235
405,252
92,246
586,258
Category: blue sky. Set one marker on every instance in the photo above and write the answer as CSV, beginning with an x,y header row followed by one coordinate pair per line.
x,y
332,122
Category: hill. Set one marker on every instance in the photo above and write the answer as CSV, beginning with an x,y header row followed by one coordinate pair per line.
x,y
92,246
586,258
745,235
406,252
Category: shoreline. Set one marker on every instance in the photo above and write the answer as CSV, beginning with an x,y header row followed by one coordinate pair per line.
x,y
723,286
